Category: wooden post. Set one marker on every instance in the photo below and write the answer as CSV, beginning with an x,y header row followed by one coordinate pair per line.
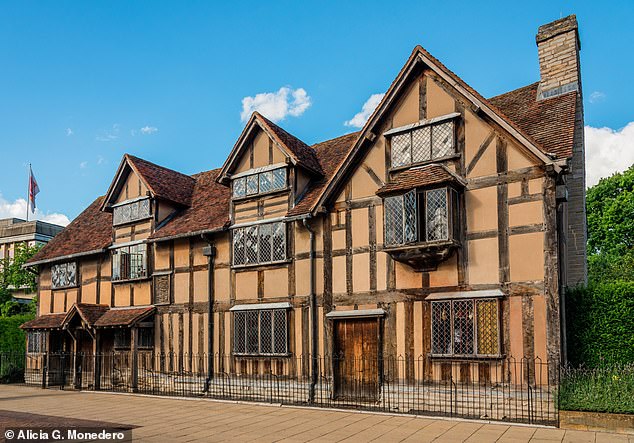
x,y
134,345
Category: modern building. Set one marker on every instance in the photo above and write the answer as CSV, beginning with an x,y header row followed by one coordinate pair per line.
x,y
14,232
445,231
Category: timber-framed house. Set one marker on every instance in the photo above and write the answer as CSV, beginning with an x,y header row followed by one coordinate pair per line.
x,y
446,230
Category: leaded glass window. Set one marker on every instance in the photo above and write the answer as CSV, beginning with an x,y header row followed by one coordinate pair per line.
x,y
129,262
420,216
64,275
422,144
265,243
130,212
36,342
260,332
465,327
260,183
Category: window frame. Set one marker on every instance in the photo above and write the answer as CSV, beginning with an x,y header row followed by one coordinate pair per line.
x,y
409,133
257,179
242,316
421,212
68,285
36,342
245,233
475,326
117,251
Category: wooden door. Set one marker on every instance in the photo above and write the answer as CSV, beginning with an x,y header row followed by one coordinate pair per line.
x,y
356,359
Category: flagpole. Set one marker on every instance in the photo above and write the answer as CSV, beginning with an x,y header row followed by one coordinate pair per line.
x,y
28,194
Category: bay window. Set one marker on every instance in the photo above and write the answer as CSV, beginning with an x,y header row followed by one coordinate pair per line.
x,y
465,327
420,216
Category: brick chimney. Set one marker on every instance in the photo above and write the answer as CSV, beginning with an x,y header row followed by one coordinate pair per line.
x,y
558,48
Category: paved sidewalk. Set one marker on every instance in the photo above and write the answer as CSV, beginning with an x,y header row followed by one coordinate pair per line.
x,y
159,419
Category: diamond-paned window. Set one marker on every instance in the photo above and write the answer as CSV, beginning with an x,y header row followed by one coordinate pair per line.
x,y
265,243
64,275
260,332
465,327
400,219
130,212
436,211
259,183
430,142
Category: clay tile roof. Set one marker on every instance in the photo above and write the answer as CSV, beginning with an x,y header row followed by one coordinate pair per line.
x,y
413,178
303,154
123,317
47,321
331,154
209,209
90,232
163,182
550,122
89,312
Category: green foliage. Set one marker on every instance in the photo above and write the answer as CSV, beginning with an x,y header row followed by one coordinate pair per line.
x,y
12,275
605,389
610,210
600,324
12,338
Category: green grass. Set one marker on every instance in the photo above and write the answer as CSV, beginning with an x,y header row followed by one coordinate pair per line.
x,y
605,389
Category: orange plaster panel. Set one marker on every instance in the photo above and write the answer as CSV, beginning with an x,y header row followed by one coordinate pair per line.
x,y
276,282
339,239
518,158
339,274
406,277
381,271
527,256
446,274
360,228
58,301
516,328
361,272
181,287
514,189
89,293
362,184
476,131
221,284
142,296
526,213
482,212
181,253
486,165
540,323
407,108
44,299
438,101
247,285
122,295
201,280
302,282
535,186
261,150
483,261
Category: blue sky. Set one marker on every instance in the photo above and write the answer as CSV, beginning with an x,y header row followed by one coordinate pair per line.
x,y
84,82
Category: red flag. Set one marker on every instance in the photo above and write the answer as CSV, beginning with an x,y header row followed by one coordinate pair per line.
x,y
34,189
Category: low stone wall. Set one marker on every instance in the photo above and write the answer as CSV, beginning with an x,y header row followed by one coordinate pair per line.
x,y
597,421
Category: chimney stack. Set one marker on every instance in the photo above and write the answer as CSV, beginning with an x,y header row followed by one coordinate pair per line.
x,y
558,48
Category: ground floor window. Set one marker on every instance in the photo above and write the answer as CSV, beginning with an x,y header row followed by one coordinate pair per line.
x,y
465,327
260,332
123,338
36,342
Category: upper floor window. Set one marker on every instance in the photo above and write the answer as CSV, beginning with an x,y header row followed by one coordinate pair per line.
x,y
422,144
130,212
259,183
64,275
265,243
260,332
129,262
465,327
420,216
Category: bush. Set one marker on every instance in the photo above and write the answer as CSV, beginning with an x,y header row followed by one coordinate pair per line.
x,y
605,389
600,324
12,338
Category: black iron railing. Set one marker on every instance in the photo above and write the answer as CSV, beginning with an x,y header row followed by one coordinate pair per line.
x,y
495,389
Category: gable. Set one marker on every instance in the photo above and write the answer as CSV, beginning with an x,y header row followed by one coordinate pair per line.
x,y
260,151
130,187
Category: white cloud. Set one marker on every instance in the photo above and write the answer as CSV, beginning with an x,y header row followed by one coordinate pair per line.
x,y
109,135
83,165
277,105
608,151
368,108
17,209
597,96
100,159
69,132
148,130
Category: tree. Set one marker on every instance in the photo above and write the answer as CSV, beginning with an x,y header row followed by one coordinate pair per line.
x,y
610,210
14,276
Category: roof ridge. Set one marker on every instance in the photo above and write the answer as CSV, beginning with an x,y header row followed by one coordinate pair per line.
x,y
135,158
530,85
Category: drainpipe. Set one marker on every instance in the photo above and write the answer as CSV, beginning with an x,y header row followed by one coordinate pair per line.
x,y
209,251
313,314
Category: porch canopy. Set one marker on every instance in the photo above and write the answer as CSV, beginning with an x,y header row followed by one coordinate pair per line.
x,y
90,317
